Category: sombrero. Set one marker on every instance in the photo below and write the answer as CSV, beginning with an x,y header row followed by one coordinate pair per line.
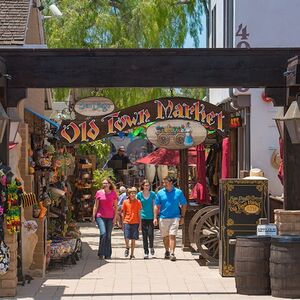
x,y
256,173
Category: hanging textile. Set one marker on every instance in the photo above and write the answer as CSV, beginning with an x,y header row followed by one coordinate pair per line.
x,y
225,170
200,190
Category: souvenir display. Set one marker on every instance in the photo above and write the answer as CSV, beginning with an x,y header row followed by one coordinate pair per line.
x,y
12,214
3,196
4,258
82,199
52,166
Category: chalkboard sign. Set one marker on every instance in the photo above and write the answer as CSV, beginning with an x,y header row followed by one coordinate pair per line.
x,y
242,203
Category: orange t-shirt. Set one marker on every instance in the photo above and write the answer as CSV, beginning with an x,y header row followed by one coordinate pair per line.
x,y
131,211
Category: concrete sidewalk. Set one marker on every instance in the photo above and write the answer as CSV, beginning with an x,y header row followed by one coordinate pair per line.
x,y
121,278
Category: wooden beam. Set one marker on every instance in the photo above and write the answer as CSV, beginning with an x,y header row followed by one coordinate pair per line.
x,y
45,68
293,72
278,95
15,95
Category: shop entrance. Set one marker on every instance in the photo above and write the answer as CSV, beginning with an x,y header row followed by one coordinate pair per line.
x,y
28,68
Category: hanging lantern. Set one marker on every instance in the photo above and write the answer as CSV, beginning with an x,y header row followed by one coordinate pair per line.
x,y
292,121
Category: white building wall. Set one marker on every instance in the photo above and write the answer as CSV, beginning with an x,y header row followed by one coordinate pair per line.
x,y
270,23
217,95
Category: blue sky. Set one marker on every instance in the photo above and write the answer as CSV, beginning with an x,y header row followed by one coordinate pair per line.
x,y
189,42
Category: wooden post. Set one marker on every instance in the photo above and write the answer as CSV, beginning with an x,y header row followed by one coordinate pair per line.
x,y
291,163
4,144
184,185
291,158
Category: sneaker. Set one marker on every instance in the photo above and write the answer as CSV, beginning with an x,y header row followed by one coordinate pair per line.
x,y
132,257
172,257
126,253
167,255
100,257
146,256
152,251
107,257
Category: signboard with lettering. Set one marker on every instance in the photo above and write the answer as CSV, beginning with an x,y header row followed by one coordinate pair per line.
x,y
94,106
242,203
170,108
176,134
266,229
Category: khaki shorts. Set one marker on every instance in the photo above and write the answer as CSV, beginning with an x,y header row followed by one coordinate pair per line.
x,y
168,226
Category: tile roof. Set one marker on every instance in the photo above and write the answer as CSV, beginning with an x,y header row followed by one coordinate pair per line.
x,y
13,21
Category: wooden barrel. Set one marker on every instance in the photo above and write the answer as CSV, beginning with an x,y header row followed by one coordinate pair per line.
x,y
285,266
251,265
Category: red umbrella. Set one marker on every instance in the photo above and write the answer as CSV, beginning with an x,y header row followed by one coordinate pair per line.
x,y
162,156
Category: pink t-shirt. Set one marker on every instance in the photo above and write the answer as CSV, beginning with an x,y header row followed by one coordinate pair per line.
x,y
105,204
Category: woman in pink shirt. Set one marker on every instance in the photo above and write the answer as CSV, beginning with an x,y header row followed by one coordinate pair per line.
x,y
104,214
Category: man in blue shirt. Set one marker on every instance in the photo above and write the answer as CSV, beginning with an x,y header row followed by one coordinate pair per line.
x,y
170,201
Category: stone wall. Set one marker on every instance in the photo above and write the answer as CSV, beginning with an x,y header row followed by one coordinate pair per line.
x,y
8,281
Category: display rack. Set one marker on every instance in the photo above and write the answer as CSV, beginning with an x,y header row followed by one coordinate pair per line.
x,y
83,196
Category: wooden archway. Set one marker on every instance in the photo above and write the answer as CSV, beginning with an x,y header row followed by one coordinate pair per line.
x,y
261,67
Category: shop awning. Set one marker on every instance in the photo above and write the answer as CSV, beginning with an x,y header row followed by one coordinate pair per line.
x,y
54,124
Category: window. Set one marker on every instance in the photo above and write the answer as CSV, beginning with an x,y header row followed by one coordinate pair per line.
x,y
228,24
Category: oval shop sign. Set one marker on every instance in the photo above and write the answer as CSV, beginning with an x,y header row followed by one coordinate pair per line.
x,y
94,106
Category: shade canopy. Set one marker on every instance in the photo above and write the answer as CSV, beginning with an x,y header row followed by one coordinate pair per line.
x,y
162,156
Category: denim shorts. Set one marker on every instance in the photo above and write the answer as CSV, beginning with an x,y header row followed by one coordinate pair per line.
x,y
131,231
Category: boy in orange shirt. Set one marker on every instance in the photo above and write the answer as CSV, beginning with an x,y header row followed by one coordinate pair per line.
x,y
131,219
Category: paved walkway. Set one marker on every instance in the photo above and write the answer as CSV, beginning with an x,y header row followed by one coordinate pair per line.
x,y
121,278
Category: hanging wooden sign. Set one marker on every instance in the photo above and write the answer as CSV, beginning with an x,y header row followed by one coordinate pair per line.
x,y
176,134
170,108
94,106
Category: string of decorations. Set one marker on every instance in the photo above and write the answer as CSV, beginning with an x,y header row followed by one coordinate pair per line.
x,y
12,215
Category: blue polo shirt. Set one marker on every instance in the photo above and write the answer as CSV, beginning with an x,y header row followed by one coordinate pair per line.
x,y
169,202
147,205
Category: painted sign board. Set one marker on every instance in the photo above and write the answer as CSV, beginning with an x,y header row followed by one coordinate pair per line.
x,y
176,134
170,108
242,203
94,106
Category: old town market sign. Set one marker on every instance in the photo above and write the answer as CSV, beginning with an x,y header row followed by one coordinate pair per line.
x,y
170,108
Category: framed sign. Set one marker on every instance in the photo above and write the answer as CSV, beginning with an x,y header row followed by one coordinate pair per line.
x,y
164,109
94,106
242,203
176,134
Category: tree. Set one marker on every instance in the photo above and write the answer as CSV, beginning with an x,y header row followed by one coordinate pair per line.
x,y
124,24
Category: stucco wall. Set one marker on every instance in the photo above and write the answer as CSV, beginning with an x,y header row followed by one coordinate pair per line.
x,y
270,23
